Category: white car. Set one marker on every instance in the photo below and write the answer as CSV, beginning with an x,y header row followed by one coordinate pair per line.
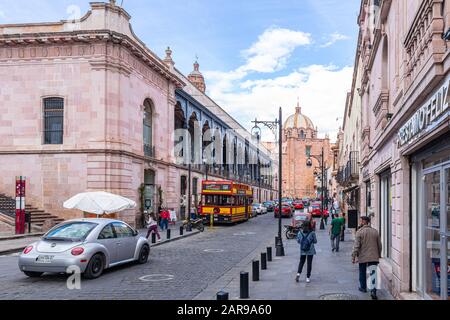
x,y
92,245
258,208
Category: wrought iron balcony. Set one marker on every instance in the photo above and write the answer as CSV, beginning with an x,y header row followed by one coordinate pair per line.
x,y
349,173
149,150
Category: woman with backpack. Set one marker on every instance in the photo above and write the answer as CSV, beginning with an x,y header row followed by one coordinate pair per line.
x,y
306,238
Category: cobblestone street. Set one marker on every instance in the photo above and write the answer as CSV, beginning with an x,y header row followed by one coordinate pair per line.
x,y
198,267
177,270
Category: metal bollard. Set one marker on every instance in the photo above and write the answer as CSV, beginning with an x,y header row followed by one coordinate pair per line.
x,y
269,254
263,261
221,295
181,230
255,270
153,237
244,285
168,234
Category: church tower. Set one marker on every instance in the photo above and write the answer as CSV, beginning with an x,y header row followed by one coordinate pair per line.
x,y
197,79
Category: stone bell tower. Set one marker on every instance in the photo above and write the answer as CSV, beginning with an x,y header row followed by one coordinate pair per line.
x,y
197,79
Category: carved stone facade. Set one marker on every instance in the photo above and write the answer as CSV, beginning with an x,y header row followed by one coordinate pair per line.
x,y
404,62
108,81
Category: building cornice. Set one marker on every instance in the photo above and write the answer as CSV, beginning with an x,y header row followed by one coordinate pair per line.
x,y
89,37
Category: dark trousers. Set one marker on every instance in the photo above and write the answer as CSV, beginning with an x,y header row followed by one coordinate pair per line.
x,y
164,224
309,260
363,274
335,238
153,229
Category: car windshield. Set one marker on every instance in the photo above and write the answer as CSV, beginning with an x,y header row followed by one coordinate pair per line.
x,y
71,231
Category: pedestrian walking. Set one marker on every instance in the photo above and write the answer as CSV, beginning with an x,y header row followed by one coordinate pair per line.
x,y
165,216
152,226
335,232
367,252
326,214
342,217
306,238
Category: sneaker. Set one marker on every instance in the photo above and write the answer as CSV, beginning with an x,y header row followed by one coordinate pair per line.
x,y
362,290
159,240
297,278
308,280
337,250
333,250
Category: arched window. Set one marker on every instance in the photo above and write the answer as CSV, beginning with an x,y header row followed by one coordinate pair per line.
x,y
53,120
302,135
148,129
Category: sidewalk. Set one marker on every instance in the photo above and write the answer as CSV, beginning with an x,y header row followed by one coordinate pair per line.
x,y
13,244
334,277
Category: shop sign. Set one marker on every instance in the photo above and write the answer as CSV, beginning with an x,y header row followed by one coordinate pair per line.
x,y
426,116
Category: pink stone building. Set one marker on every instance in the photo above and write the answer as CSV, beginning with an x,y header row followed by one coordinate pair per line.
x,y
404,54
85,105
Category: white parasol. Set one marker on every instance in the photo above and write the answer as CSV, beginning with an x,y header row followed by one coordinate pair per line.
x,y
99,203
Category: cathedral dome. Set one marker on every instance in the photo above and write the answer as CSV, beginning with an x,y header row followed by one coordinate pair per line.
x,y
298,120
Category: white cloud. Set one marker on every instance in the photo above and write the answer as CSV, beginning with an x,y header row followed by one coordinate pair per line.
x,y
335,37
322,91
273,48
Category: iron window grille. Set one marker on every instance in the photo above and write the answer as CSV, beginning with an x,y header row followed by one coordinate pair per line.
x,y
53,120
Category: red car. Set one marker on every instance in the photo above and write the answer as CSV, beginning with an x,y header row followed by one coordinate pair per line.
x,y
316,212
286,212
298,205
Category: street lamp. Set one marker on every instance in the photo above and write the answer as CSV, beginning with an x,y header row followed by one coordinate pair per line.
x,y
205,162
272,125
309,163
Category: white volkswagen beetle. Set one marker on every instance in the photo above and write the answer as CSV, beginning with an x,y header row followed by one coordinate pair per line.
x,y
93,245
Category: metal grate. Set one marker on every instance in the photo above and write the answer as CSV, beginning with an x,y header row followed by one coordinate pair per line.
x,y
53,120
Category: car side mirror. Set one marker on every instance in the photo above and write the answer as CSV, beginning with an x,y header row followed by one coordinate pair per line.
x,y
135,233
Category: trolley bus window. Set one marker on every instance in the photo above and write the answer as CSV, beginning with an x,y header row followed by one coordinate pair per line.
x,y
218,200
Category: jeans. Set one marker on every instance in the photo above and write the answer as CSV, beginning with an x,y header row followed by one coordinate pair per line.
x,y
309,260
363,275
164,224
335,238
153,229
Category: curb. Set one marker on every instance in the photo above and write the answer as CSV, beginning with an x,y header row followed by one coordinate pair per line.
x,y
18,249
20,236
11,251
175,239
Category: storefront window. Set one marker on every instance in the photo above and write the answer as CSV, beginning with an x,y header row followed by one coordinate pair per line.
x,y
438,158
386,213
432,235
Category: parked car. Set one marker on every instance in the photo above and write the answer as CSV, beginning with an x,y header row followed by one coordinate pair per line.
x,y
316,212
93,245
269,205
298,205
286,211
259,209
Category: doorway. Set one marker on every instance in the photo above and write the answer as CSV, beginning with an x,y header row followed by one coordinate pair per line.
x,y
436,205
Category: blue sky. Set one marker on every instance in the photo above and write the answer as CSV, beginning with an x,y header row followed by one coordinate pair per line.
x,y
256,54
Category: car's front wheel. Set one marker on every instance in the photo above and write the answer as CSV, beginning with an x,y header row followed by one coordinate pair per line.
x,y
32,274
143,254
95,267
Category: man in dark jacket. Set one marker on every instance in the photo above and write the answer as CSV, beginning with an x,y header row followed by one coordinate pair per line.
x,y
367,251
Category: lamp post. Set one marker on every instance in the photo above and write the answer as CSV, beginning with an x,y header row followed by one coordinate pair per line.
x,y
321,159
272,125
206,169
